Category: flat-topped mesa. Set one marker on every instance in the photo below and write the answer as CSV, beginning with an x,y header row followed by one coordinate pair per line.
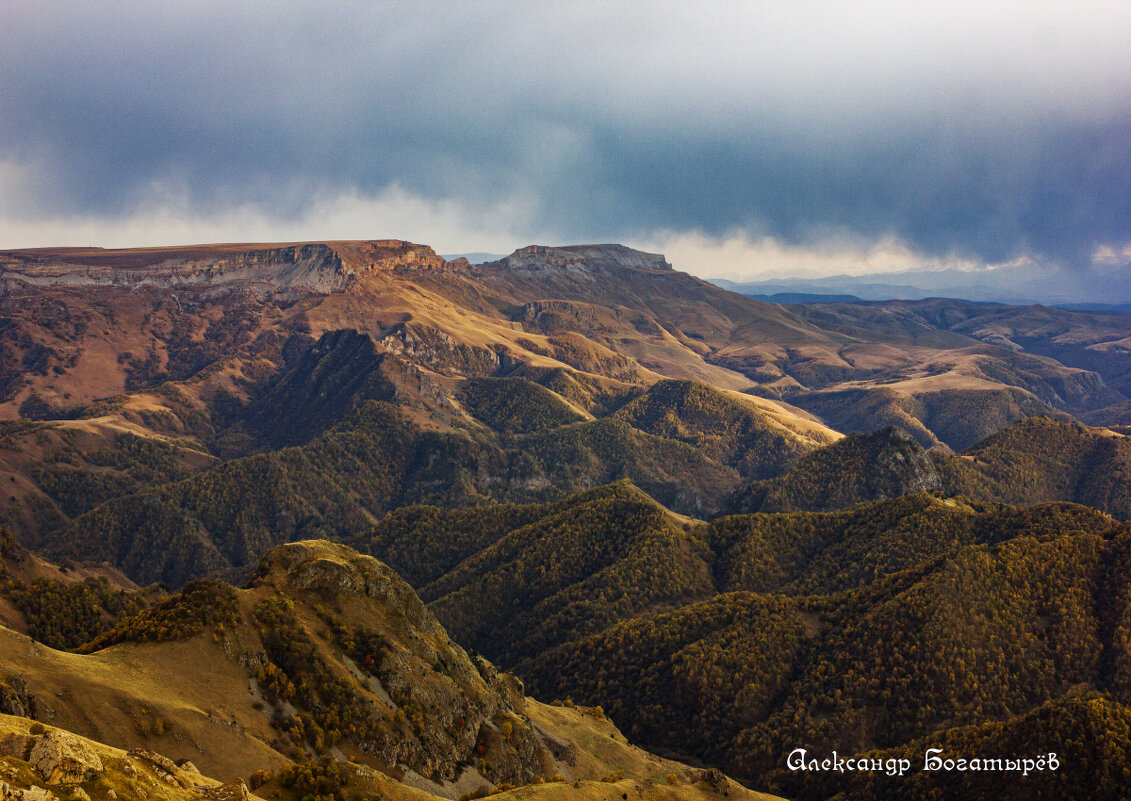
x,y
319,267
391,254
311,266
579,257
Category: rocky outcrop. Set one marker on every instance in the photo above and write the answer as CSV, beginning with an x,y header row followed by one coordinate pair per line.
x,y
15,697
620,256
17,745
335,570
716,780
312,267
317,267
910,468
165,768
10,793
425,344
392,255
228,791
62,758
64,762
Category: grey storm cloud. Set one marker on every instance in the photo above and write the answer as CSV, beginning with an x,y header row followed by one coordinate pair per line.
x,y
985,129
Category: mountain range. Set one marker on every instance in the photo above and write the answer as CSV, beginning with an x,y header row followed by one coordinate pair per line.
x,y
1097,286
280,510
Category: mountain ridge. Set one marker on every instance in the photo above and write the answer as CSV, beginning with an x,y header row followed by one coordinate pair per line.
x,y
108,321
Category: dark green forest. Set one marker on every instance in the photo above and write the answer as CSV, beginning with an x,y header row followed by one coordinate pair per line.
x,y
919,617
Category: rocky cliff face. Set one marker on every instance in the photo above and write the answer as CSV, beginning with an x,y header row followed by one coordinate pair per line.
x,y
317,267
311,267
392,254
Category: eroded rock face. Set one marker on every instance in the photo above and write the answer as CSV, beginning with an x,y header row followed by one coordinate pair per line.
x,y
228,791
65,761
15,697
391,254
426,344
716,780
10,793
909,463
310,267
62,758
17,745
320,267
165,768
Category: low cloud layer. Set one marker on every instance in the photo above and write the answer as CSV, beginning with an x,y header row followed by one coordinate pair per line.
x,y
948,133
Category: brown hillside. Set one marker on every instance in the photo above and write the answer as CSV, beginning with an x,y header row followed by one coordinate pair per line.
x,y
75,334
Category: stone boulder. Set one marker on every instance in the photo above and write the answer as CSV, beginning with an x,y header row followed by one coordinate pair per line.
x,y
17,745
15,697
62,758
10,793
716,780
228,791
165,768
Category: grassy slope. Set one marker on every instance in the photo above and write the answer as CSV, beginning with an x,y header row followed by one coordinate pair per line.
x,y
124,776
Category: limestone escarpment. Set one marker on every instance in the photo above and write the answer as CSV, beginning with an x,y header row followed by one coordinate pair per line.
x,y
317,267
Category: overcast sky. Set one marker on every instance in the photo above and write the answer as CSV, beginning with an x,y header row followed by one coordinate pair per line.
x,y
750,137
